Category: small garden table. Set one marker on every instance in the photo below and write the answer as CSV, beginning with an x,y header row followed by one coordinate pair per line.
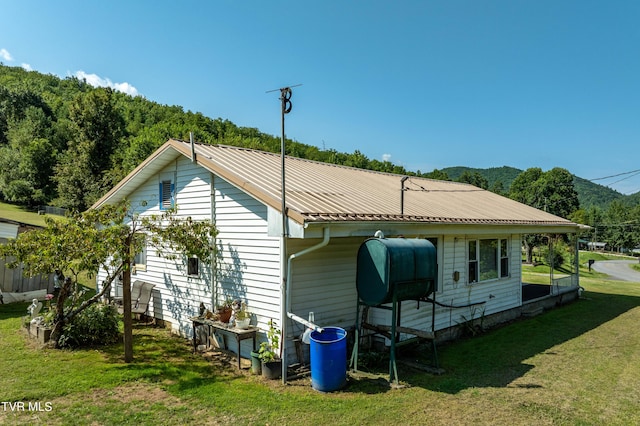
x,y
217,326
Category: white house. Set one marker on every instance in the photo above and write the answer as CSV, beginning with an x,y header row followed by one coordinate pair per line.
x,y
330,211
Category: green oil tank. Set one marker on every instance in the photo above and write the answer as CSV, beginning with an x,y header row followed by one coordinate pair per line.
x,y
406,267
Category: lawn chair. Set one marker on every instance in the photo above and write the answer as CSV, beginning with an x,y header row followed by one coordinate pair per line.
x,y
135,294
140,297
141,304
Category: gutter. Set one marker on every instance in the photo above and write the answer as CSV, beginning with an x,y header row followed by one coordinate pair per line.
x,y
285,309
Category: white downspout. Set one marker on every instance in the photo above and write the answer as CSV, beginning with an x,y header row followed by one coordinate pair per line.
x,y
287,302
214,260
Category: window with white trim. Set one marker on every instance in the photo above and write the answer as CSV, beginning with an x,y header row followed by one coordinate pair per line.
x,y
504,258
488,259
140,259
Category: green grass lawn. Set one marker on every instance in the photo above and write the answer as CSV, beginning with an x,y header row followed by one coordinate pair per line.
x,y
539,274
20,214
578,364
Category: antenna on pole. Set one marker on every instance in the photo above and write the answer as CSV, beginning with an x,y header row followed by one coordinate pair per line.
x,y
286,105
285,99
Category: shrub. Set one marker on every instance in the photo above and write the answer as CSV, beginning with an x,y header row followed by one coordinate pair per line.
x,y
557,254
96,325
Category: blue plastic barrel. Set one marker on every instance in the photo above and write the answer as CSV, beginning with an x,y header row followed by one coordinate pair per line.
x,y
328,354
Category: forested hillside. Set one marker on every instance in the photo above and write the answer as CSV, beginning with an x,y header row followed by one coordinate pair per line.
x,y
65,143
589,194
493,175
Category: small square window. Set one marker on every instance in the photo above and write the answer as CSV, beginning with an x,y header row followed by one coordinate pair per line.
x,y
193,266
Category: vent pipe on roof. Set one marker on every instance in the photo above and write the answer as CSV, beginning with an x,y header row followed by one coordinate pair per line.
x,y
193,148
404,178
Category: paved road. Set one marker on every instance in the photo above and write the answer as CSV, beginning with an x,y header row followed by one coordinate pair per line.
x,y
617,269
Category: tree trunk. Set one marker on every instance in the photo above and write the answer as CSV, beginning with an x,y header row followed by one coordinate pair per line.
x,y
126,301
58,322
529,249
61,318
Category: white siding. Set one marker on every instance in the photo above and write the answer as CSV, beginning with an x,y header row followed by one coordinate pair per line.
x,y
324,281
248,265
176,296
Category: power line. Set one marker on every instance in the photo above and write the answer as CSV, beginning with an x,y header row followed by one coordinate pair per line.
x,y
619,174
627,177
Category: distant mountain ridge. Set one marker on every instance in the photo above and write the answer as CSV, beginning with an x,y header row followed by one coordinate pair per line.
x,y
589,193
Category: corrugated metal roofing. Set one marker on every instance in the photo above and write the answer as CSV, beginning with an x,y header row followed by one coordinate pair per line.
x,y
321,192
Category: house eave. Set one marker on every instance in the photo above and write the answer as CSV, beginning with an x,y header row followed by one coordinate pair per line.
x,y
313,229
149,167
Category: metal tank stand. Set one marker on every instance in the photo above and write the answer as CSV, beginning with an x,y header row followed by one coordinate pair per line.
x,y
392,332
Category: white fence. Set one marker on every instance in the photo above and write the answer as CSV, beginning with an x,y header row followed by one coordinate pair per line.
x,y
13,280
563,283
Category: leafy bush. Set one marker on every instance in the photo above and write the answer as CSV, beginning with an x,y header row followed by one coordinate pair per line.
x,y
556,254
96,325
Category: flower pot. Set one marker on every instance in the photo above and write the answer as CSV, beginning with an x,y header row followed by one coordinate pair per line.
x,y
272,369
256,363
224,315
40,332
243,323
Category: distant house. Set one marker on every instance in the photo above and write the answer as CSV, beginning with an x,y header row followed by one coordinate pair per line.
x,y
331,210
14,285
596,246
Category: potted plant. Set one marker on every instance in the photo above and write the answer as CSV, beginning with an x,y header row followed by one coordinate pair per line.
x,y
223,310
271,362
242,317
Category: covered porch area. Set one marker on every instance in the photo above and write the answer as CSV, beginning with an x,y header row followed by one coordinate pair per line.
x,y
561,256
558,286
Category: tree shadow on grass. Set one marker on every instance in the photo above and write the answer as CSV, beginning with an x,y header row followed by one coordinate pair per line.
x,y
13,310
159,357
496,358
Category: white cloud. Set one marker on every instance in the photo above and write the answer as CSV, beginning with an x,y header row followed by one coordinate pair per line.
x,y
27,67
97,81
386,157
4,54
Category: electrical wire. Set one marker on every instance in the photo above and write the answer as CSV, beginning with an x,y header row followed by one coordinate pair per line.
x,y
619,174
625,178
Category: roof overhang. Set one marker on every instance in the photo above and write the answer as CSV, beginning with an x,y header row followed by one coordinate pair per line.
x,y
390,228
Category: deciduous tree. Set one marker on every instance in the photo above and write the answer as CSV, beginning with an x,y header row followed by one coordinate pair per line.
x,y
550,191
104,239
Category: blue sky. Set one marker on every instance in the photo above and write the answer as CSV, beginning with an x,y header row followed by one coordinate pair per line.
x,y
425,84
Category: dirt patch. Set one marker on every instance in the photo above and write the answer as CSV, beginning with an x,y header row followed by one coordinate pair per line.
x,y
144,396
143,393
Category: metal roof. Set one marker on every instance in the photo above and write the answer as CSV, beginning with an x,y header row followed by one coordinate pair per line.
x,y
322,192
